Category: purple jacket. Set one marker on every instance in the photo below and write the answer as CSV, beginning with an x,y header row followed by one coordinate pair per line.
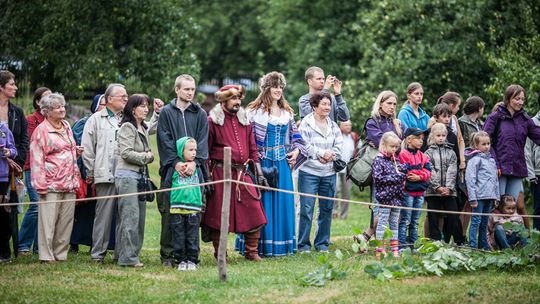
x,y
6,141
377,126
508,150
389,183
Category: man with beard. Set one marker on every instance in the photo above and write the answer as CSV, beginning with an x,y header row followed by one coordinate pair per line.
x,y
229,126
181,118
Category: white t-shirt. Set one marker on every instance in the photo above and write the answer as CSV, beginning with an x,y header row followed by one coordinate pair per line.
x,y
348,149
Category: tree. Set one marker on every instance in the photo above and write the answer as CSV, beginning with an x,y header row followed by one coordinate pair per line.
x,y
75,46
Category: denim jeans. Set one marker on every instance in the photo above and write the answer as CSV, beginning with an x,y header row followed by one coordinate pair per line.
x,y
185,233
408,221
324,186
28,231
510,185
507,240
478,228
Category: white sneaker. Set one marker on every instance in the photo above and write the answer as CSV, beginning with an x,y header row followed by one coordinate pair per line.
x,y
191,266
183,266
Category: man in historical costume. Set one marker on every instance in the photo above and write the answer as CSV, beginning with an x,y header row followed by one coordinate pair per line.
x,y
228,126
180,118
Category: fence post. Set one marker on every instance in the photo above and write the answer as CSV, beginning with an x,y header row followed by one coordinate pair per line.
x,y
225,209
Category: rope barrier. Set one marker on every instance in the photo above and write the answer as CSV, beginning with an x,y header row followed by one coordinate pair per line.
x,y
268,189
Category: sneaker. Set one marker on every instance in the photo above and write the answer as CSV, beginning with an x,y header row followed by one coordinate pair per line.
x,y
304,251
324,251
24,252
191,266
182,266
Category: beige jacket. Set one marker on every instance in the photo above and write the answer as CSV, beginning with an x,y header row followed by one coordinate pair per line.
x,y
99,141
132,149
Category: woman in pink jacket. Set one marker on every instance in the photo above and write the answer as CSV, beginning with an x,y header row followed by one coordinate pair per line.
x,y
55,176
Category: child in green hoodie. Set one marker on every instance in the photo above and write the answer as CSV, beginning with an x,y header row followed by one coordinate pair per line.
x,y
186,206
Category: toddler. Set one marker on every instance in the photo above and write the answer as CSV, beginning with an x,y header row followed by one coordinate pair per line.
x,y
482,186
388,181
498,236
418,173
186,206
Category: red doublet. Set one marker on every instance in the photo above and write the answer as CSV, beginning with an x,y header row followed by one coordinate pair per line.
x,y
246,213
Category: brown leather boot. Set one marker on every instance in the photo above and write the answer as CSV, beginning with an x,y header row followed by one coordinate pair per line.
x,y
251,247
214,235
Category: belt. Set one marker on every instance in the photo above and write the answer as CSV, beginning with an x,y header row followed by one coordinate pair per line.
x,y
219,164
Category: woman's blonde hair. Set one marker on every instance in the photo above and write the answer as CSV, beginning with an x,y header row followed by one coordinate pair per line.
x,y
376,110
475,138
386,139
436,129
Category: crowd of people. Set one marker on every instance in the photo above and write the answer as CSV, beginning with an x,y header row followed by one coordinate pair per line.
x,y
454,164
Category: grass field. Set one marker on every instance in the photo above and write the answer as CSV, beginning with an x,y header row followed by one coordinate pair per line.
x,y
274,280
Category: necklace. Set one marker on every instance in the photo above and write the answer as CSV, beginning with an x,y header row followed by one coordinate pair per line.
x,y
58,126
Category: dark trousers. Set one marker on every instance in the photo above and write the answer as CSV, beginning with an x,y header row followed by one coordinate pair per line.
x,y
535,189
5,232
452,224
185,233
166,241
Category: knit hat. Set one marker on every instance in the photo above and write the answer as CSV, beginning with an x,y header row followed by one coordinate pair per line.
x,y
272,80
96,102
229,91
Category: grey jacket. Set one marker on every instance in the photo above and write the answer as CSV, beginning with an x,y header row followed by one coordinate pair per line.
x,y
339,111
132,148
481,177
99,141
532,154
443,161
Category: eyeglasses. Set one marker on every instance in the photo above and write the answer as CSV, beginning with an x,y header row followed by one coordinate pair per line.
x,y
121,96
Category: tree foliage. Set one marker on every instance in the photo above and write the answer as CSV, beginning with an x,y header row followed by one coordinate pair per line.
x,y
75,46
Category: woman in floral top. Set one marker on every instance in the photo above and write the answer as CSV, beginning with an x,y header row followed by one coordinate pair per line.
x,y
55,176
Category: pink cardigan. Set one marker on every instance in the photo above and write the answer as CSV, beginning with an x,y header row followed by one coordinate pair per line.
x,y
53,160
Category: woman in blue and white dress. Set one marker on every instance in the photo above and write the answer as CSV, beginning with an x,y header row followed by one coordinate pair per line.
x,y
279,144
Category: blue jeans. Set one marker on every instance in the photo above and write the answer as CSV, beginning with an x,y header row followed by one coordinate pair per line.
x,y
506,241
408,221
478,228
28,231
510,185
324,186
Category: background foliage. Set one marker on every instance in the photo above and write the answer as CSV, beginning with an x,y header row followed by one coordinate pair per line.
x,y
472,47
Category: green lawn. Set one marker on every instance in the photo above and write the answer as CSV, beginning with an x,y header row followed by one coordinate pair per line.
x,y
274,280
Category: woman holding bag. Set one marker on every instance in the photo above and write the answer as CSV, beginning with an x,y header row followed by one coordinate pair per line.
x,y
134,155
383,119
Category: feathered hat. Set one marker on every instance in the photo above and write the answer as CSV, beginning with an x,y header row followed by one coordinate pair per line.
x,y
272,80
229,91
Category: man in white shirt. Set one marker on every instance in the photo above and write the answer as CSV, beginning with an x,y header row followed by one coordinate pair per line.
x,y
350,140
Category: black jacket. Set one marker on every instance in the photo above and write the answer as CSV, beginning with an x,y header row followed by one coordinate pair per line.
x,y
19,127
174,124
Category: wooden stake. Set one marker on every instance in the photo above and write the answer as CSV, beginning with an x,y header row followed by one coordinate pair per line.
x,y
225,210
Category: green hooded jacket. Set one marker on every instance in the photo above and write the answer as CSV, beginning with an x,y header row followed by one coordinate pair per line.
x,y
189,199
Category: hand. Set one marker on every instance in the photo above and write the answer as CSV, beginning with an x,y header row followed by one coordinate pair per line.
x,y
180,168
79,150
291,157
499,172
413,177
7,152
337,86
534,181
329,82
473,204
322,160
158,105
89,180
190,168
208,189
328,155
150,155
462,165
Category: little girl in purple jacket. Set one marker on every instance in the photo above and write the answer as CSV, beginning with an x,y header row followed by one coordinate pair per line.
x,y
7,150
389,183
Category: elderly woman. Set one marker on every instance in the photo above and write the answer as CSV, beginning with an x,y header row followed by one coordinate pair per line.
x,y
317,175
28,232
278,145
55,176
134,155
13,116
383,119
